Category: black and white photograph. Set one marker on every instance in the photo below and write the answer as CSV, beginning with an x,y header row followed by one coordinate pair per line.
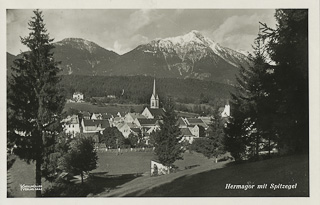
x,y
154,101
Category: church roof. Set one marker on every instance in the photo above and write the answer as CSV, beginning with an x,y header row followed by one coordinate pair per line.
x,y
144,122
156,112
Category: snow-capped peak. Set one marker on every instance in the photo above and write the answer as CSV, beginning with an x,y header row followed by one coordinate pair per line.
x,y
79,43
192,37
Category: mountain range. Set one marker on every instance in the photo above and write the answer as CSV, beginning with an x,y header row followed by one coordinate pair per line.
x,y
188,56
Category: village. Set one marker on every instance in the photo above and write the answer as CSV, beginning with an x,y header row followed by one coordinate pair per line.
x,y
136,106
133,123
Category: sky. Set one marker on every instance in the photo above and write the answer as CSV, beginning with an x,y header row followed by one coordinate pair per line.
x,y
121,30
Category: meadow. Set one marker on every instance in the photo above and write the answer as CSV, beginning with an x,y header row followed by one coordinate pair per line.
x,y
113,170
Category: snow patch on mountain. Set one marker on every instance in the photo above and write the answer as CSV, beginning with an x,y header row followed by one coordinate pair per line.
x,y
79,43
194,46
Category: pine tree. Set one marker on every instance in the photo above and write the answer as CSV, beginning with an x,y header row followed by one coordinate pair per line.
x,y
166,140
247,128
287,46
34,102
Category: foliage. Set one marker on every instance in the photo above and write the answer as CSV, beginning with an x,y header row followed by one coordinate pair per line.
x,y
34,103
82,156
138,89
270,105
136,140
112,137
287,46
213,144
246,131
51,164
166,140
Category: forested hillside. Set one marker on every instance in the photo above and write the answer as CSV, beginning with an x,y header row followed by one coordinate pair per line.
x,y
138,89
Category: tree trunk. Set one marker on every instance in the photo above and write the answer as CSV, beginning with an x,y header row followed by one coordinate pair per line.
x,y
81,177
39,161
38,175
216,160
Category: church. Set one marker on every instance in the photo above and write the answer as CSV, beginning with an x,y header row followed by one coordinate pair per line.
x,y
153,112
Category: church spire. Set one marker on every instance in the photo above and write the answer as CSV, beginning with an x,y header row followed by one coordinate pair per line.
x,y
154,87
154,101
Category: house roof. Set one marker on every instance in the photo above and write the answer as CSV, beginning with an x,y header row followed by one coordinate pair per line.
x,y
106,116
71,120
136,115
206,120
196,121
86,114
136,130
77,93
186,132
103,123
181,122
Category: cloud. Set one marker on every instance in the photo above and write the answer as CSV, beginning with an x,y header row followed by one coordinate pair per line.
x,y
239,31
125,45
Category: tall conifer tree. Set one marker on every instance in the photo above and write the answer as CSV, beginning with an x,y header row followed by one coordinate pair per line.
x,y
34,102
167,146
287,46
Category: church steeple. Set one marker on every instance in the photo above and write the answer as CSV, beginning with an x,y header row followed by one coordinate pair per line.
x,y
154,101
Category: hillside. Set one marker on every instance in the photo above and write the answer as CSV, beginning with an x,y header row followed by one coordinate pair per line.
x,y
289,170
209,180
138,89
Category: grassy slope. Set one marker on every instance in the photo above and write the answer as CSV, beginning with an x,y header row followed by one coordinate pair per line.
x,y
285,170
113,171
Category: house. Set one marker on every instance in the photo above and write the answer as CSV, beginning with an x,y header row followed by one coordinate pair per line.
x,y
127,128
111,96
182,122
196,121
158,169
130,117
225,111
115,121
96,116
94,126
86,115
71,125
78,97
187,135
206,120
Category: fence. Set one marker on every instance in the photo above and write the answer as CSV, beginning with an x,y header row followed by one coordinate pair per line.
x,y
102,150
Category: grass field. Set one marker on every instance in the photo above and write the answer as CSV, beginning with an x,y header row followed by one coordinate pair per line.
x,y
113,170
128,174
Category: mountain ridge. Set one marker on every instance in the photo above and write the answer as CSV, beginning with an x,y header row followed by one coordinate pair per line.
x,y
187,56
